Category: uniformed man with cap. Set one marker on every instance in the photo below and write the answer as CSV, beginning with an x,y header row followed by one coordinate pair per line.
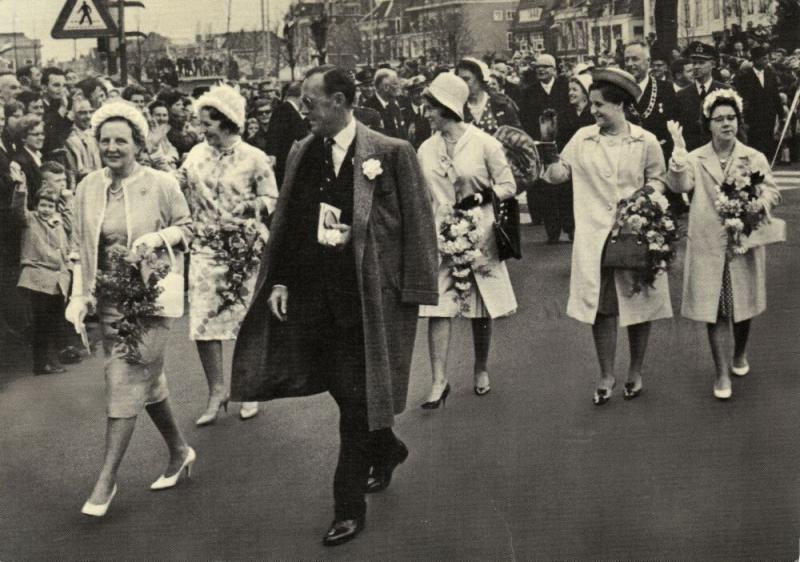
x,y
419,128
758,86
690,99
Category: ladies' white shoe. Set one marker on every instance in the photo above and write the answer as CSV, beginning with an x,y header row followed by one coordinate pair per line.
x,y
248,410
99,509
164,482
741,371
722,393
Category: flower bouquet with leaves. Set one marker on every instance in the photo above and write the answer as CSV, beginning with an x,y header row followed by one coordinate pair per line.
x,y
740,207
645,217
130,284
237,244
460,240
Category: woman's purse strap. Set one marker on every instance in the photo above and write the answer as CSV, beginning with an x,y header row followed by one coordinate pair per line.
x,y
169,249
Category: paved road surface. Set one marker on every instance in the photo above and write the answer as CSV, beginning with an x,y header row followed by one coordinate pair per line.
x,y
531,471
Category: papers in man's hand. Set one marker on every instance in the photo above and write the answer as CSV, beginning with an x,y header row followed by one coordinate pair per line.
x,y
327,235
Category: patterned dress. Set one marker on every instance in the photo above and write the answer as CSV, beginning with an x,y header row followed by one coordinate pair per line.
x,y
216,184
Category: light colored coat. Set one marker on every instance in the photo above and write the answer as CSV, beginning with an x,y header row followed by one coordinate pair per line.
x,y
707,239
394,242
153,203
478,162
603,174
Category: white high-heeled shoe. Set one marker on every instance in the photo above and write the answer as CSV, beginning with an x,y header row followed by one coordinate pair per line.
x,y
98,509
248,410
741,371
164,482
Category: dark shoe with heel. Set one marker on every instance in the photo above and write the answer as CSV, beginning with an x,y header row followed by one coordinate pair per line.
x,y
432,405
381,475
342,531
603,395
630,391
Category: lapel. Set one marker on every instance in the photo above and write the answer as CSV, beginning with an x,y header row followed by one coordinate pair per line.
x,y
711,163
363,188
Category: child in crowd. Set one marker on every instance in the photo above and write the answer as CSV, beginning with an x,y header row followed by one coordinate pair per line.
x,y
44,260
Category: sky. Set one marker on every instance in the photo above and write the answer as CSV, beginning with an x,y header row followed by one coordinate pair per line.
x,y
173,18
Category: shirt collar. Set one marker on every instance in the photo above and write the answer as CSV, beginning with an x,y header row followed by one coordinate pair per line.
x,y
137,170
294,105
37,156
636,133
706,85
383,102
644,83
344,138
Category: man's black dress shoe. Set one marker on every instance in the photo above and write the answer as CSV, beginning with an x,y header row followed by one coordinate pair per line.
x,y
49,370
382,473
342,531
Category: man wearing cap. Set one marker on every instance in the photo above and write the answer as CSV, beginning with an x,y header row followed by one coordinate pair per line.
x,y
690,99
352,253
548,91
419,128
286,125
758,86
384,101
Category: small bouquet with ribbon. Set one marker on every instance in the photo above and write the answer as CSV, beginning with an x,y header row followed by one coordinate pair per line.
x,y
134,293
740,207
460,241
643,237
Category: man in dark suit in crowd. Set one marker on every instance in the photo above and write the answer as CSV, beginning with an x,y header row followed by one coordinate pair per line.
x,y
343,294
548,91
758,86
655,106
384,101
57,127
286,125
419,128
690,99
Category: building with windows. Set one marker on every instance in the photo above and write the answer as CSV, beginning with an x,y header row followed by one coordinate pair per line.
x,y
19,50
701,19
531,29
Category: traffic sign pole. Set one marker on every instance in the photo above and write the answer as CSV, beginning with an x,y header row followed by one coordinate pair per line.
x,y
123,46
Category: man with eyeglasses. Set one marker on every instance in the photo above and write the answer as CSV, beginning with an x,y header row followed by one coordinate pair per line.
x,y
262,112
690,99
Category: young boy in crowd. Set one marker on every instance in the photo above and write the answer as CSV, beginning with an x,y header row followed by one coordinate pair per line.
x,y
44,262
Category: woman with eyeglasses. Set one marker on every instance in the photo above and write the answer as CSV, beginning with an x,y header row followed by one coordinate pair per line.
x,y
720,288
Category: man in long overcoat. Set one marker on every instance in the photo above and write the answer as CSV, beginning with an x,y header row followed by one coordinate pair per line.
x,y
343,289
758,86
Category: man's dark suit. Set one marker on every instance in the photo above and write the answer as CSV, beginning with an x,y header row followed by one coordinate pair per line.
x,y
391,116
351,312
762,106
33,176
13,305
690,114
286,126
534,100
656,106
57,129
418,126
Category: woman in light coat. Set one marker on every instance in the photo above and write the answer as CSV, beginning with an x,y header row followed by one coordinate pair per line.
x,y
717,288
126,204
462,166
608,162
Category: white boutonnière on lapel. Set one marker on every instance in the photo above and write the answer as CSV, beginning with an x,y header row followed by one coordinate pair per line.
x,y
372,168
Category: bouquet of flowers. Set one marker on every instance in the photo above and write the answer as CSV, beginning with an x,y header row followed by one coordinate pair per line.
x,y
739,206
124,286
237,244
460,245
646,216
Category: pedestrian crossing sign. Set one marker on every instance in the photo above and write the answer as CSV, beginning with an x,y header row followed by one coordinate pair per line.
x,y
84,18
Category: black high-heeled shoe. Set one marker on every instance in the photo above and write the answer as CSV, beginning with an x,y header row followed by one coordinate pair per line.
x,y
441,400
603,395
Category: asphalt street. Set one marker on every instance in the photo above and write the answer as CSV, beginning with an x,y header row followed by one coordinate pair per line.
x,y
532,471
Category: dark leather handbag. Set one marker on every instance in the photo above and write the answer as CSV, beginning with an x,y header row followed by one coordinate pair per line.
x,y
625,252
506,227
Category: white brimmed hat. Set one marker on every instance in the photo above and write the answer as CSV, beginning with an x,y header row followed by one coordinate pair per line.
x,y
450,91
124,109
227,101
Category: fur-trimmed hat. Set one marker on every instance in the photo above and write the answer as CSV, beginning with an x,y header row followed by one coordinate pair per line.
x,y
124,109
227,101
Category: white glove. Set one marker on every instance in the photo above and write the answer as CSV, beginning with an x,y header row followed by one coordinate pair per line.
x,y
76,312
150,241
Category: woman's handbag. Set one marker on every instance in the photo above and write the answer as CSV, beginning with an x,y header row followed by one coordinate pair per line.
x,y
770,233
506,227
171,298
625,252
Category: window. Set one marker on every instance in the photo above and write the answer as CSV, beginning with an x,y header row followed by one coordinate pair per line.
x,y
498,15
687,16
530,14
510,40
698,13
510,15
751,9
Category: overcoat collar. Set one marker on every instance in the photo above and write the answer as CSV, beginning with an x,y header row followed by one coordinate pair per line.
x,y
710,162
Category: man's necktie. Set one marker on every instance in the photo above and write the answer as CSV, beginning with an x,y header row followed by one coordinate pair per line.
x,y
703,91
330,169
